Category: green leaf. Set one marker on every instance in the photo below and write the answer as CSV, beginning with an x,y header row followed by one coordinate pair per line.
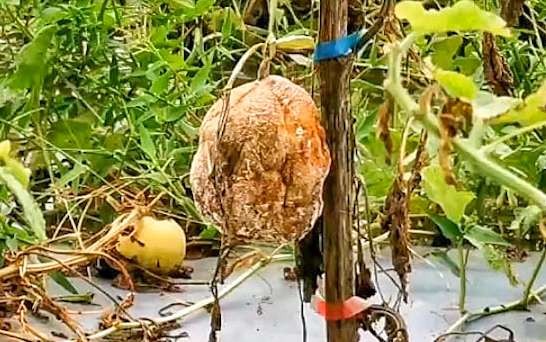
x,y
467,65
444,50
191,10
146,143
12,244
51,15
209,233
449,229
456,85
31,210
525,218
18,170
227,24
452,201
498,261
200,79
32,61
20,234
60,279
478,236
5,149
443,258
160,84
71,134
531,111
465,15
72,175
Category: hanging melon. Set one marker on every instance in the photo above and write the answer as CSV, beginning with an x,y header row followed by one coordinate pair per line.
x,y
261,162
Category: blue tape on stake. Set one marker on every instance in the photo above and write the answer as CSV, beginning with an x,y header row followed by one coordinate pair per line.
x,y
341,47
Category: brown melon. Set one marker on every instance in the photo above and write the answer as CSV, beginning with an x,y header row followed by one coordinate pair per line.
x,y
270,163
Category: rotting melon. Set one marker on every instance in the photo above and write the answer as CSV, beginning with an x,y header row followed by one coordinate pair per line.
x,y
156,245
262,179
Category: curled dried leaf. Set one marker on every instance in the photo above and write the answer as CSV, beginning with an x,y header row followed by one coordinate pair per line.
x,y
425,101
456,116
255,13
511,10
497,71
384,118
421,157
397,221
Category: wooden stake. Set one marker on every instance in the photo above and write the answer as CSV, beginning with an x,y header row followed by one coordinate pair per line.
x,y
338,191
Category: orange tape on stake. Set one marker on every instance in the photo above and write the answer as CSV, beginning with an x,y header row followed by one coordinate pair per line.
x,y
338,312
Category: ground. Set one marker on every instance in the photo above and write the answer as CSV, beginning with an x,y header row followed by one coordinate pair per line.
x,y
266,307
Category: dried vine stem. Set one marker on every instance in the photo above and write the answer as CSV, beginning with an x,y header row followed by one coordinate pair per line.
x,y
15,336
195,307
121,223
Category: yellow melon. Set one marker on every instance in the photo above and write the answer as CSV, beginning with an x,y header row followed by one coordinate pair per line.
x,y
156,245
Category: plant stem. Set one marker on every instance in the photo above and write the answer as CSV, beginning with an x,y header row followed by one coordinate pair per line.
x,y
240,64
501,175
489,311
455,326
463,258
479,159
520,131
527,292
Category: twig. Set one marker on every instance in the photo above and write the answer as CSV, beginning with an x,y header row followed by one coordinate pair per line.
x,y
195,307
15,336
472,317
526,293
240,64
120,224
105,293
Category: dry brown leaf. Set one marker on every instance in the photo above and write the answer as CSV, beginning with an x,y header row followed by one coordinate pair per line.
x,y
496,69
384,117
456,116
511,10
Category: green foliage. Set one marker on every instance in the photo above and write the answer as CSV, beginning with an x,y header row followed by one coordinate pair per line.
x,y
498,261
32,60
465,15
456,85
480,236
448,228
60,279
531,111
16,178
445,50
452,201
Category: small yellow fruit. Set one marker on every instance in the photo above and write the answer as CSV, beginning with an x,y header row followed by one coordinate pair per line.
x,y
156,245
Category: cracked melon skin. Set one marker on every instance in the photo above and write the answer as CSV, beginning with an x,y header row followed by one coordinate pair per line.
x,y
156,245
271,163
